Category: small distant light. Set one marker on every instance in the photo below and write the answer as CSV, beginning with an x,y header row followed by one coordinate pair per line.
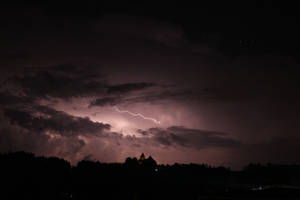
x,y
156,169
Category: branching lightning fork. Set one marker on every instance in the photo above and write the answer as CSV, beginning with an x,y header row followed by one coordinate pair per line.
x,y
136,115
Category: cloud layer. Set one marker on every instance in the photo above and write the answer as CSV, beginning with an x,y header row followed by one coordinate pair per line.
x,y
221,96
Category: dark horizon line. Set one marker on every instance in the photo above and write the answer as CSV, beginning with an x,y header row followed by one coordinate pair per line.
x,y
167,165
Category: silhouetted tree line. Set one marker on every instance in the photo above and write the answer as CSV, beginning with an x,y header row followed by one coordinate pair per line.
x,y
24,175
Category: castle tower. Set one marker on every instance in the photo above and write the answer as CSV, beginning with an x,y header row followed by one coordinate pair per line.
x,y
142,158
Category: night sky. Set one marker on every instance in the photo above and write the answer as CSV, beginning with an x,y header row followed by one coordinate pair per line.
x,y
212,83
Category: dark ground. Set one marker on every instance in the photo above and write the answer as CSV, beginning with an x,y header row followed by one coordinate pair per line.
x,y
25,176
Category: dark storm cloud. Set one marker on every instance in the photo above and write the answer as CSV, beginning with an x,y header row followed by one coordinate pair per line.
x,y
6,98
118,93
261,79
128,87
62,82
106,101
46,119
190,94
223,94
190,138
187,94
66,81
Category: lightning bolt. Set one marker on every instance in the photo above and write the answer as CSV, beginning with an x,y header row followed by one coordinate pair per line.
x,y
136,115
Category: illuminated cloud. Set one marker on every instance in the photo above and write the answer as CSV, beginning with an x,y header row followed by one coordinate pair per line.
x,y
97,84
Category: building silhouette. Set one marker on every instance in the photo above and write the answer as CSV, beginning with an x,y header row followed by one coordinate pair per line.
x,y
142,158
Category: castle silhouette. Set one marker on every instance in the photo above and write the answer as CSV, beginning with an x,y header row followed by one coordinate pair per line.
x,y
146,161
142,161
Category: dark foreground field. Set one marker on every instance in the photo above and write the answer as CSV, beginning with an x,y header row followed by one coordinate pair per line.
x,y
24,176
